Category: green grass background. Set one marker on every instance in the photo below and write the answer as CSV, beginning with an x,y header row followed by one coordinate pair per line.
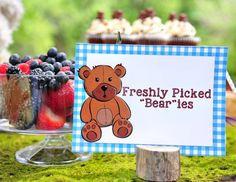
x,y
108,167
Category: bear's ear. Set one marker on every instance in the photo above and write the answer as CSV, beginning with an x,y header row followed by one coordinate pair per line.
x,y
120,70
84,72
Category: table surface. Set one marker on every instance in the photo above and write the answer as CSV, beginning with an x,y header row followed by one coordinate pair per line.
x,y
108,167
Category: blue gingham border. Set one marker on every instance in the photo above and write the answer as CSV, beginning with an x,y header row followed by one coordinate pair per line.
x,y
220,55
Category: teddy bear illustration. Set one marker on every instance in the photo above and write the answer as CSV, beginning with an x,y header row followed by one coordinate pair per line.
x,y
103,107
11,12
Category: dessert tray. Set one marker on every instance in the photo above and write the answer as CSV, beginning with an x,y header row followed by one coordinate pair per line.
x,y
55,149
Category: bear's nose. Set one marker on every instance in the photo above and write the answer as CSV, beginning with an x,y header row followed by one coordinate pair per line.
x,y
104,88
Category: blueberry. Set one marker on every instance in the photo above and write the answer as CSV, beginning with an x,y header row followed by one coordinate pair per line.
x,y
49,73
50,60
48,76
72,68
54,84
66,63
62,77
61,56
48,67
43,57
14,59
52,52
43,64
25,59
36,95
70,74
73,61
34,64
57,66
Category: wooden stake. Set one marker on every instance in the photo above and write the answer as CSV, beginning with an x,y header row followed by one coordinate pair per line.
x,y
158,163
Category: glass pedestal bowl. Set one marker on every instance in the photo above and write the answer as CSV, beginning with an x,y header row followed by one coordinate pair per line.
x,y
21,112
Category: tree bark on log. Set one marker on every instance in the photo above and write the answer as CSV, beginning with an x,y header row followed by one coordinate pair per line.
x,y
158,163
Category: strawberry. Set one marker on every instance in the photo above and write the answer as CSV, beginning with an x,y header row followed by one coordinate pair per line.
x,y
64,69
25,68
48,120
61,101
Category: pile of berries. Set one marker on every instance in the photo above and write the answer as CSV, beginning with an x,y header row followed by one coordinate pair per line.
x,y
52,86
52,69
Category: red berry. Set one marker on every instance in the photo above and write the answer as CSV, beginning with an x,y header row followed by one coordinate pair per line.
x,y
31,60
25,68
64,69
61,101
48,120
3,71
3,68
39,61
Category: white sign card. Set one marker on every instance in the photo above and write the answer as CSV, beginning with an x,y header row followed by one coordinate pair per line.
x,y
127,95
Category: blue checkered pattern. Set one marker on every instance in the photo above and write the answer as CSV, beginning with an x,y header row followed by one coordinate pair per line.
x,y
220,56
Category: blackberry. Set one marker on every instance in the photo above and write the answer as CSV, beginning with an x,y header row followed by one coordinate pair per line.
x,y
13,70
37,71
37,78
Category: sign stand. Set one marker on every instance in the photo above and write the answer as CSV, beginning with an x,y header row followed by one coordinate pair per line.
x,y
158,163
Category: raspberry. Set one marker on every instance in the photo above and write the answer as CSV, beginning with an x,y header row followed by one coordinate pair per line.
x,y
31,60
25,68
3,68
64,69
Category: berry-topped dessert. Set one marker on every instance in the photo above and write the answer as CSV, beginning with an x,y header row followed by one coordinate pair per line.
x,y
97,28
37,91
148,29
181,31
154,32
118,24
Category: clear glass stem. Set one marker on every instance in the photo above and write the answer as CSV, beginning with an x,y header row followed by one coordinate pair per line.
x,y
53,150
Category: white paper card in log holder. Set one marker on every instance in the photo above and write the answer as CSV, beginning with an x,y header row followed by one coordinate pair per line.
x,y
156,95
